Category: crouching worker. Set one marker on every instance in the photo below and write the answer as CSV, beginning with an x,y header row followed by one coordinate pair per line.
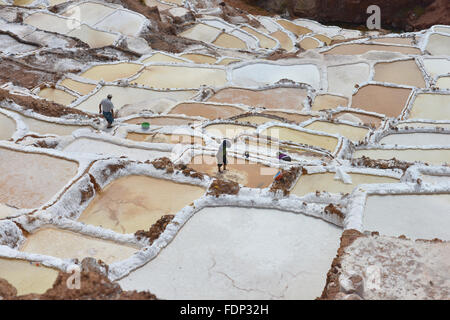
x,y
221,155
284,157
107,108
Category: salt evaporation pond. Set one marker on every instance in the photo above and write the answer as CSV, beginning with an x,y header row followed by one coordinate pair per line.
x,y
389,101
125,96
350,132
69,245
87,145
134,203
417,139
400,72
342,79
264,41
57,95
361,48
226,40
297,136
26,277
205,110
161,121
443,83
247,173
289,116
181,77
28,180
241,253
438,45
432,156
416,216
431,106
358,117
310,183
229,131
78,86
264,73
7,127
284,39
112,72
328,101
277,98
165,138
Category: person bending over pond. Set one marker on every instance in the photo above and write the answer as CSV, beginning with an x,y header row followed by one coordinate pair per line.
x,y
106,106
221,155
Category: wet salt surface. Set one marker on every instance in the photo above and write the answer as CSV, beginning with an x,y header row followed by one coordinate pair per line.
x,y
237,253
264,73
27,277
69,245
311,183
348,131
134,203
416,216
431,106
247,173
432,156
86,145
296,136
417,139
7,127
278,98
29,180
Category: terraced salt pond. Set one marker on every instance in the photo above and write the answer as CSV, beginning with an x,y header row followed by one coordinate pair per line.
x,y
284,39
48,127
112,72
87,145
438,44
229,131
431,156
7,127
277,98
358,48
289,116
135,203
343,78
297,136
328,101
431,106
389,101
26,277
206,110
417,139
234,253
29,180
78,86
57,95
257,119
226,40
161,57
199,58
70,245
165,138
158,101
161,121
247,173
260,74
181,77
416,216
357,117
310,183
350,132
400,72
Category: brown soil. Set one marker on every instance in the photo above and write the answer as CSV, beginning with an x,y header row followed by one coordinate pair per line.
x,y
332,286
249,7
403,14
94,286
42,106
381,164
286,181
219,187
282,54
165,163
332,209
156,229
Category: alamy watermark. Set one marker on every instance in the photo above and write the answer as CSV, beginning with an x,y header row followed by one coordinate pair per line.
x,y
374,20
